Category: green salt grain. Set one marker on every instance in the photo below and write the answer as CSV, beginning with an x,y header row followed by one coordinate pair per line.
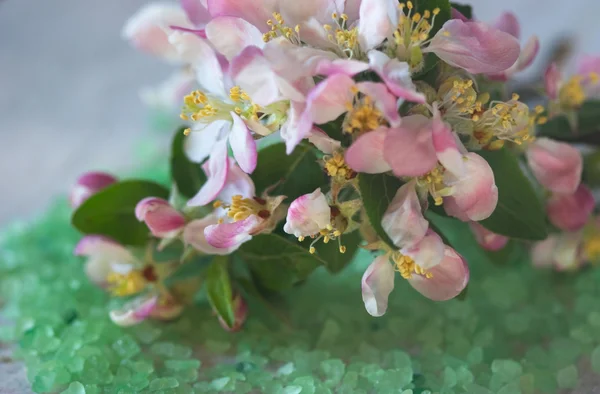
x,y
126,347
163,383
567,377
75,388
177,365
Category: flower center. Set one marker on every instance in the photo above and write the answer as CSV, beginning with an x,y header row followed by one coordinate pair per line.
x,y
362,116
406,266
280,29
459,98
434,183
510,121
345,38
336,167
241,208
412,33
123,285
572,94
592,248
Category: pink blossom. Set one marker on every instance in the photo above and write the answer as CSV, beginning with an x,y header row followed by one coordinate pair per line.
x,y
193,235
475,47
146,306
552,81
196,11
366,153
103,254
403,220
162,219
377,284
308,214
556,165
216,169
488,239
570,212
475,194
323,142
396,75
89,184
561,251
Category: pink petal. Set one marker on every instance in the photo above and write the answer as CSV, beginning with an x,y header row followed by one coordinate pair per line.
x,y
352,9
256,76
543,252
201,33
475,194
403,220
450,278
487,239
89,184
366,153
378,19
297,12
257,12
427,252
242,144
588,64
193,235
377,284
456,14
526,58
231,235
508,23
216,169
101,246
162,219
200,143
135,311
323,142
567,254
552,80
386,102
205,62
556,165
396,75
475,47
293,130
341,66
570,212
446,147
238,182
231,35
148,29
308,214
166,309
196,11
408,149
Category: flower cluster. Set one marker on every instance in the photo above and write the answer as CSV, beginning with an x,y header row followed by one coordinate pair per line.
x,y
403,110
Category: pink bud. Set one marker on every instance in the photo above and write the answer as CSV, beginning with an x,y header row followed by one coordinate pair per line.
x,y
162,219
89,184
561,251
475,195
556,165
487,239
570,212
240,312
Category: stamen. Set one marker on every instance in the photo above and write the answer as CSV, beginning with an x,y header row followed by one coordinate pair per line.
x,y
336,167
406,266
362,116
123,285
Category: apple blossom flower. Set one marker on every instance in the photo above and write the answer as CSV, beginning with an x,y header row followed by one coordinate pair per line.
x,y
508,23
162,219
570,94
488,239
432,268
89,184
562,251
556,165
570,212
146,306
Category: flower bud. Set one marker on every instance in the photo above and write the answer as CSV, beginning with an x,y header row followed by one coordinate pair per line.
x,y
487,239
556,165
571,212
240,313
162,219
89,184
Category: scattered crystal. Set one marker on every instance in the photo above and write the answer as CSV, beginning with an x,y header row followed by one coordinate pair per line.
x,y
75,388
163,383
567,377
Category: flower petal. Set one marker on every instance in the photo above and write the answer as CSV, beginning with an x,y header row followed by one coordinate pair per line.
x,y
543,252
323,142
162,219
450,277
378,19
475,194
366,153
308,214
487,239
427,252
135,311
196,11
456,14
570,212
89,184
242,144
508,23
588,65
408,149
101,246
257,12
386,102
556,165
216,169
341,66
231,235
238,182
148,29
199,144
377,284
396,75
296,12
193,235
552,80
231,35
446,147
403,220
475,47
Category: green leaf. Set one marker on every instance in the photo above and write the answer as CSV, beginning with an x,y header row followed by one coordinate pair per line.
x,y
189,269
111,212
278,263
297,174
334,129
587,119
169,254
187,175
377,192
520,213
429,5
218,289
464,9
329,253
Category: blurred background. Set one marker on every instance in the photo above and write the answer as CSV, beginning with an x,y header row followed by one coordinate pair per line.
x,y
69,86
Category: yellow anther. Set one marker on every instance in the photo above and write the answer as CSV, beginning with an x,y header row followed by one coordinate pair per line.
x,y
326,239
409,5
416,17
123,285
241,208
312,250
426,14
342,249
300,239
344,17
572,95
337,233
406,266
334,16
436,11
217,204
187,131
336,167
591,246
